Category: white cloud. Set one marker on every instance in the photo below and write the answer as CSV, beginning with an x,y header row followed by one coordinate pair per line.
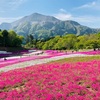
x,y
9,20
63,16
90,21
89,5
62,10
92,5
5,5
16,3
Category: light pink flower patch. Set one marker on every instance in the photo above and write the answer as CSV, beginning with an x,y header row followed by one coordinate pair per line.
x,y
50,53
97,52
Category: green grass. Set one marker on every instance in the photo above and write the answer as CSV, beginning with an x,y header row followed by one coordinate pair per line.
x,y
77,59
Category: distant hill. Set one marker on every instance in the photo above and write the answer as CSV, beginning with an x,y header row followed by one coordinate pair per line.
x,y
5,26
42,27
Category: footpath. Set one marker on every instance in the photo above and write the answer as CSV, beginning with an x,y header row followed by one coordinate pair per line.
x,y
38,61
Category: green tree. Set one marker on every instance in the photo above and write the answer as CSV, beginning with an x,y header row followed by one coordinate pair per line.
x,y
1,39
71,39
5,37
14,39
12,36
18,41
40,44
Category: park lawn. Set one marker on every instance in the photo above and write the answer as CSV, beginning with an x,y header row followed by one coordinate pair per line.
x,y
77,59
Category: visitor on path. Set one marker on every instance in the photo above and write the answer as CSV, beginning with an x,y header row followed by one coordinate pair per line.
x,y
72,51
5,58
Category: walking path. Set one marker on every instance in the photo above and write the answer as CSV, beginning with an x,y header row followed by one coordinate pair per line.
x,y
38,61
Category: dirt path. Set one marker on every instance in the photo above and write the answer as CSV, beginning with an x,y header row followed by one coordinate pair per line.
x,y
37,61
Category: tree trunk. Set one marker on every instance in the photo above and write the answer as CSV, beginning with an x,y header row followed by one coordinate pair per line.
x,y
94,49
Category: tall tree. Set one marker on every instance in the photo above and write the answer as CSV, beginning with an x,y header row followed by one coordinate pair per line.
x,y
5,37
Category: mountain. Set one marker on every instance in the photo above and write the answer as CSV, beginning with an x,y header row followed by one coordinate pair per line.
x,y
42,27
5,26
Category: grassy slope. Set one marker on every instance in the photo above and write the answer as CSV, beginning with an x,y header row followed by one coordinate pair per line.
x,y
77,59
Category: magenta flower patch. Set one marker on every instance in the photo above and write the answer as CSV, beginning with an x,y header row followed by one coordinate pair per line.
x,y
77,81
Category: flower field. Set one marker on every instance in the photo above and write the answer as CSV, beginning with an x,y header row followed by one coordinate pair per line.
x,y
53,81
91,52
50,53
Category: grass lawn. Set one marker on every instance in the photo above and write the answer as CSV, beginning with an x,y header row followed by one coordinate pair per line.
x,y
77,59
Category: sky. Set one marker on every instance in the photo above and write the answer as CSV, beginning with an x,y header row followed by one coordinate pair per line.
x,y
85,12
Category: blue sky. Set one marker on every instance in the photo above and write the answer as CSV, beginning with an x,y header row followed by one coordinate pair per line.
x,y
86,12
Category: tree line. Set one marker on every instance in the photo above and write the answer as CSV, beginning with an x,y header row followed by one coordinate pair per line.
x,y
69,41
10,39
66,42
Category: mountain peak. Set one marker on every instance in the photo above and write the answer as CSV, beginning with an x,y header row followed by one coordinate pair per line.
x,y
35,18
44,26
44,18
37,14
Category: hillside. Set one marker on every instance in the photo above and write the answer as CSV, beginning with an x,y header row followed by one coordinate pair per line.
x,y
41,26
